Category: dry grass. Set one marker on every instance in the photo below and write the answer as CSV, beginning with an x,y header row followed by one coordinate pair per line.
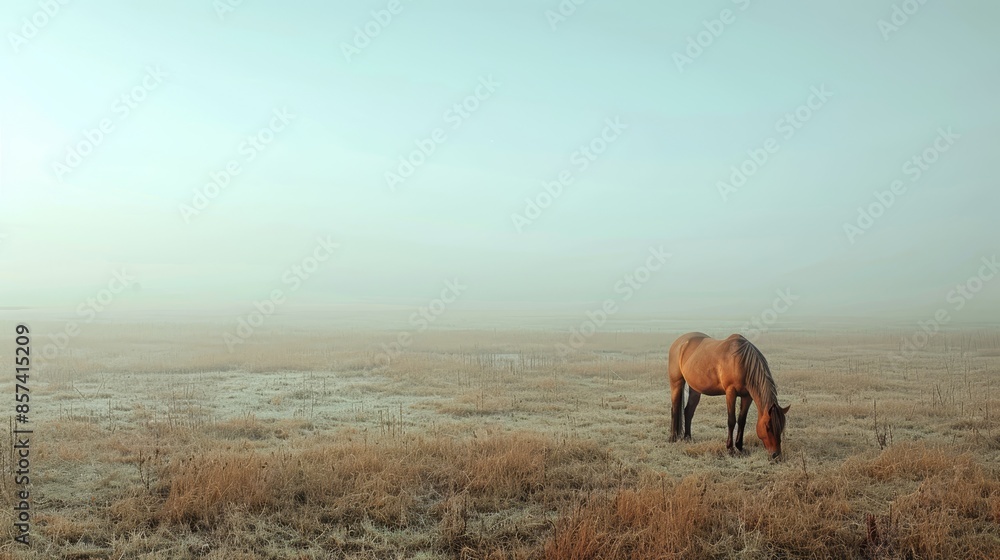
x,y
387,483
951,513
483,444
648,522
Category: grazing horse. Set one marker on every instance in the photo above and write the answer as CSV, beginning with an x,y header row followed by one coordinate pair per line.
x,y
733,367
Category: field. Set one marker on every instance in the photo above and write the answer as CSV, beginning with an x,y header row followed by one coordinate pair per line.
x,y
152,441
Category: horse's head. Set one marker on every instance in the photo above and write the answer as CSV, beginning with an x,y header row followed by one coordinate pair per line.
x,y
770,425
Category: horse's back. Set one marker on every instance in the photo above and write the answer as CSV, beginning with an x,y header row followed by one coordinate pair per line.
x,y
683,345
685,338
703,361
692,340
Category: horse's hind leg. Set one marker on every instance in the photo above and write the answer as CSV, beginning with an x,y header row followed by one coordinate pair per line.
x,y
731,410
676,406
677,384
693,398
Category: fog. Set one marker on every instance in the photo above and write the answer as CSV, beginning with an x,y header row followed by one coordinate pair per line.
x,y
369,153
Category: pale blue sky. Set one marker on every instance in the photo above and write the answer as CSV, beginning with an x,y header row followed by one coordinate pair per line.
x,y
656,185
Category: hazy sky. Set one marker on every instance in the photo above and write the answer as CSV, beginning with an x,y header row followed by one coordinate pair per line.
x,y
199,81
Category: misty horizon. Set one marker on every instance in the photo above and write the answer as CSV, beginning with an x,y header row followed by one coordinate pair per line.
x,y
765,147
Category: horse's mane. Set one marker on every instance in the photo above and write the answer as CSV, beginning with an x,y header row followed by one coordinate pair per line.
x,y
759,382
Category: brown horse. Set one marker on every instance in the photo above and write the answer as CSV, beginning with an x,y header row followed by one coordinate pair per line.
x,y
733,367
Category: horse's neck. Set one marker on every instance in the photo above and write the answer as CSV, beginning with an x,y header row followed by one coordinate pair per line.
x,y
763,397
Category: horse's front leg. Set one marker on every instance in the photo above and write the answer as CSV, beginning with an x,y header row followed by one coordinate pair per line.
x,y
742,421
731,409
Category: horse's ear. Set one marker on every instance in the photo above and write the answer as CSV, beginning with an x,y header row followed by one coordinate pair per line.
x,y
785,410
